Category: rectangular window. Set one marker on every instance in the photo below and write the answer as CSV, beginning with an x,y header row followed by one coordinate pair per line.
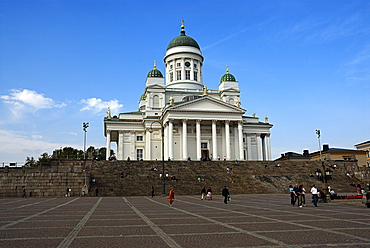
x,y
203,145
187,75
139,138
171,76
171,66
178,75
196,76
178,64
139,154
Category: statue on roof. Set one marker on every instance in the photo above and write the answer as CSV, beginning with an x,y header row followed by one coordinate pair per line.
x,y
254,114
266,119
171,100
205,89
108,114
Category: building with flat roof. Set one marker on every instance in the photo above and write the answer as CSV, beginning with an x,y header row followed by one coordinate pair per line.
x,y
327,153
365,146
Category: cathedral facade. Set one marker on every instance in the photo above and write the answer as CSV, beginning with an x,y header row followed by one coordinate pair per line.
x,y
179,118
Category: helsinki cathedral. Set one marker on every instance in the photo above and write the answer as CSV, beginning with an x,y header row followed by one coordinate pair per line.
x,y
179,118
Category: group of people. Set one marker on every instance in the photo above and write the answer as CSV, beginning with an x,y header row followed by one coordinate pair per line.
x,y
298,195
204,193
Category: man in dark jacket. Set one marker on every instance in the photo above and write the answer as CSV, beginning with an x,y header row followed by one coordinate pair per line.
x,y
225,193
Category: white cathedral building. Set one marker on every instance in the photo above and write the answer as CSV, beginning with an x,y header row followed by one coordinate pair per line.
x,y
179,118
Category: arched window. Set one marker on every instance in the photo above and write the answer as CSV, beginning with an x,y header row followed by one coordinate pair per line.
x,y
155,101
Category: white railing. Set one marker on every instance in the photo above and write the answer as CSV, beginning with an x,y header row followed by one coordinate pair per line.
x,y
12,164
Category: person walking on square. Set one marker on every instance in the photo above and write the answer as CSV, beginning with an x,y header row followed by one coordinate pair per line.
x,y
209,193
171,196
314,193
225,193
300,196
152,190
203,193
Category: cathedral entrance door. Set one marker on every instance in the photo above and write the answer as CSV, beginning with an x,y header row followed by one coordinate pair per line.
x,y
205,154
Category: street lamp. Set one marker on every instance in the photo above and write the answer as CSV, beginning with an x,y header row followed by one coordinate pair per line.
x,y
162,130
84,128
324,174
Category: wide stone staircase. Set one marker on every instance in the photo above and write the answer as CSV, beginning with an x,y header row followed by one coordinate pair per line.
x,y
123,178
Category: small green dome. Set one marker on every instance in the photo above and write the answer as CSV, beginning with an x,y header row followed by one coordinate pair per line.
x,y
183,40
143,97
227,76
155,73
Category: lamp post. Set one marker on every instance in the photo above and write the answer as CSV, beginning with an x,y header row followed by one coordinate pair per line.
x,y
324,173
162,135
85,125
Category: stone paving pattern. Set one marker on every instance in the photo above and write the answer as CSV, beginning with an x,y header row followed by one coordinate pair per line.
x,y
250,220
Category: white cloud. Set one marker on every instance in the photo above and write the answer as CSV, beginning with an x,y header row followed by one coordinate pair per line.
x,y
97,105
16,146
36,137
28,101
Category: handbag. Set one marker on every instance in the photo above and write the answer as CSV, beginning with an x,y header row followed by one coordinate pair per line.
x,y
229,198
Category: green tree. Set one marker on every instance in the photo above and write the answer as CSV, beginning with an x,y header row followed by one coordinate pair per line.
x,y
44,160
30,162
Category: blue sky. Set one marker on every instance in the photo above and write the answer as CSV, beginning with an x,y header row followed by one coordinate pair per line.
x,y
305,64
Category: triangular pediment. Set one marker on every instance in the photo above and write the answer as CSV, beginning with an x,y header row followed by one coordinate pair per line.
x,y
206,104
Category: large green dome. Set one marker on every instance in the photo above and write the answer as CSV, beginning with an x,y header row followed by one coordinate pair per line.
x,y
183,40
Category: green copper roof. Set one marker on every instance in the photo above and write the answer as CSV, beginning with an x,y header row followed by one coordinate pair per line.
x,y
155,73
143,97
183,40
228,77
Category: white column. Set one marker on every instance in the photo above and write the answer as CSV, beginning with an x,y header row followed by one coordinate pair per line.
x,y
170,139
236,143
241,147
258,137
182,69
132,149
107,153
214,139
263,147
199,155
120,145
184,140
268,146
165,141
148,147
192,69
249,147
227,141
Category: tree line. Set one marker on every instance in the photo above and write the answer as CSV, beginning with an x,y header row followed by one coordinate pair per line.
x,y
67,153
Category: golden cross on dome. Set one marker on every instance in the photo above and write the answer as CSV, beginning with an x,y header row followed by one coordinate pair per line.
x,y
227,69
155,64
182,22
